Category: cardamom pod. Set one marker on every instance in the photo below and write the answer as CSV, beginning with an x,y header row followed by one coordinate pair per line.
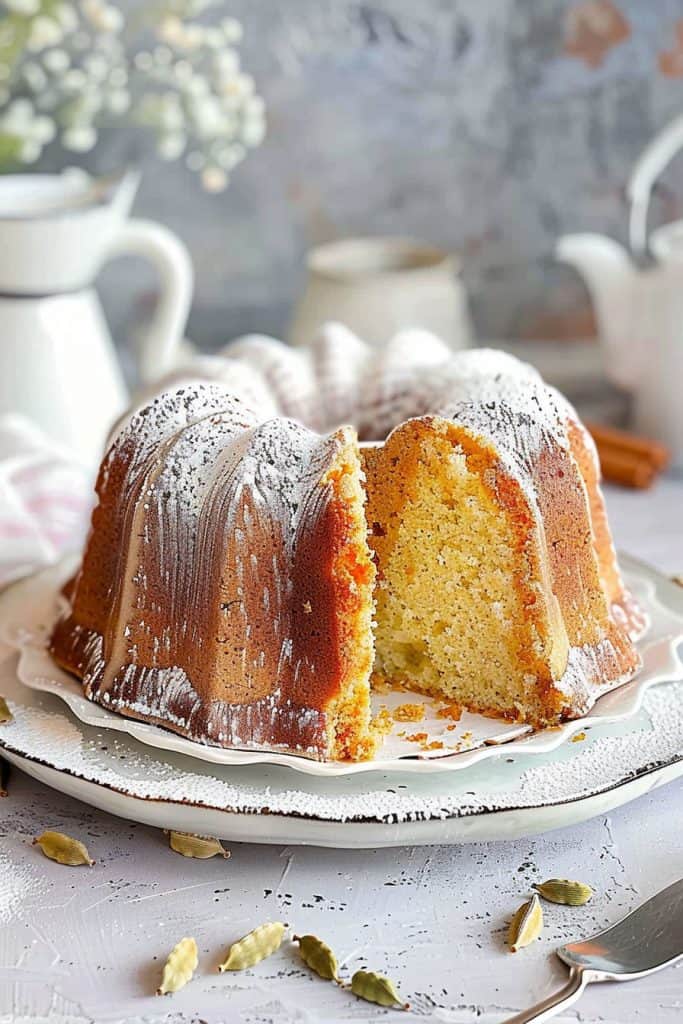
x,y
180,966
201,847
375,988
563,890
526,925
317,955
64,849
255,946
5,713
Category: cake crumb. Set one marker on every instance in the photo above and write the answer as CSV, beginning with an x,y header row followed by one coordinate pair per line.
x,y
452,711
418,737
382,723
578,737
409,713
434,745
308,608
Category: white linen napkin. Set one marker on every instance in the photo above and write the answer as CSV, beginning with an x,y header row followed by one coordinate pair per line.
x,y
45,499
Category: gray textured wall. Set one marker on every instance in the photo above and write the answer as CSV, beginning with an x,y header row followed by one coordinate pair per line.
x,y
488,126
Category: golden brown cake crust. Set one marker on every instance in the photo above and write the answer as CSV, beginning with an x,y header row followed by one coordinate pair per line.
x,y
226,589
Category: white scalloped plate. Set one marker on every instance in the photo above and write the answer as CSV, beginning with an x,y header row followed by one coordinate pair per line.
x,y
29,609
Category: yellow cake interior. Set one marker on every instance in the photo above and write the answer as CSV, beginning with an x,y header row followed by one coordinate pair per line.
x,y
452,605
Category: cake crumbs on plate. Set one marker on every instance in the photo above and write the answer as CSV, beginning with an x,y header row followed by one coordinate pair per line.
x,y
452,711
409,713
418,737
382,723
578,737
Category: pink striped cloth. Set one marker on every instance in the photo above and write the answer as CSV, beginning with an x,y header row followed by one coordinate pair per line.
x,y
45,499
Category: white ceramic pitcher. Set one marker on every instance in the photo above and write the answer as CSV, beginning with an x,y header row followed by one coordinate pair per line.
x,y
379,286
57,362
638,298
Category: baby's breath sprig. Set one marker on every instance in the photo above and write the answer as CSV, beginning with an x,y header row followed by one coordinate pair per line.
x,y
68,68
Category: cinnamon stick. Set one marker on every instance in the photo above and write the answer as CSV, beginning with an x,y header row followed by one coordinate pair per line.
x,y
654,451
628,468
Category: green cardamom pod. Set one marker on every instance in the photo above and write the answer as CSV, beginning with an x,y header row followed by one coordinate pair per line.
x,y
180,966
254,947
317,955
526,925
564,890
64,849
375,988
5,713
201,847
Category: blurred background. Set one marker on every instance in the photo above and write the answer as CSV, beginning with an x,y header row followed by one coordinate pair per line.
x,y
264,129
489,127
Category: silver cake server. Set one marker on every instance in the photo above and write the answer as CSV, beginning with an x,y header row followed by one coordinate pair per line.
x,y
651,937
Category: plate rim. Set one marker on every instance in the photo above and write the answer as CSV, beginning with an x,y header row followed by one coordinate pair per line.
x,y
545,741
359,826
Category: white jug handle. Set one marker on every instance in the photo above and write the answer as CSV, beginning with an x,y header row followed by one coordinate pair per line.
x,y
172,262
648,167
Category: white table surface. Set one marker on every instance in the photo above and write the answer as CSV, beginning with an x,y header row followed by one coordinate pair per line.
x,y
80,945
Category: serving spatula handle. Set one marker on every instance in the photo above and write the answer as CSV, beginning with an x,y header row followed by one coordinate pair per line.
x,y
559,1000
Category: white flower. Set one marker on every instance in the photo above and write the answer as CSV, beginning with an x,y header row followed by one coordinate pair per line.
x,y
171,146
214,38
18,115
232,30
103,17
67,17
79,139
44,32
171,30
229,156
74,80
25,7
56,61
96,66
119,101
254,106
34,76
237,87
214,179
227,62
171,115
29,151
253,131
182,71
198,86
208,117
43,130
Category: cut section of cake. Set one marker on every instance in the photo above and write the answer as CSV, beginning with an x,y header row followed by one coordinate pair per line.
x,y
243,540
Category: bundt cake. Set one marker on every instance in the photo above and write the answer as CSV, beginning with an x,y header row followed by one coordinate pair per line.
x,y
244,541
